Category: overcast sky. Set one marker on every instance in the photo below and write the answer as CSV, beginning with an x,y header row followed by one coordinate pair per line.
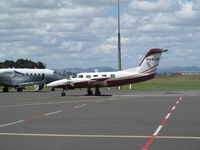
x,y
83,33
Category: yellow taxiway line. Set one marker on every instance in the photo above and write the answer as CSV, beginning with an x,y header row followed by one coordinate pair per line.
x,y
97,136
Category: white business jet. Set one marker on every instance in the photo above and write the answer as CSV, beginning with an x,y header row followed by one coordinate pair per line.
x,y
145,71
20,78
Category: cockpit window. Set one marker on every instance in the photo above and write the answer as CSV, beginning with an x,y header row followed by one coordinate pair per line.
x,y
95,75
80,76
104,75
55,72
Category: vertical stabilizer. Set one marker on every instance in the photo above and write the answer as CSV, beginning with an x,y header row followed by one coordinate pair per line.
x,y
150,62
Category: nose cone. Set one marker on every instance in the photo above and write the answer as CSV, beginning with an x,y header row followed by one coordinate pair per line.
x,y
58,83
164,50
6,73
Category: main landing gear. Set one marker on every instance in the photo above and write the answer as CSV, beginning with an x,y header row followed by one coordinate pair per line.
x,y
89,92
19,89
97,91
5,89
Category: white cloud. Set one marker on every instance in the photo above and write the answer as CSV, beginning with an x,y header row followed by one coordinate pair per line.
x,y
77,33
72,46
154,6
196,5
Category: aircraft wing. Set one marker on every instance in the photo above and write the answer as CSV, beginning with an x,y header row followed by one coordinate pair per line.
x,y
100,79
60,83
29,83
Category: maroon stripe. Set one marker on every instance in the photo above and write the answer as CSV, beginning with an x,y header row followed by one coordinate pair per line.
x,y
151,52
129,80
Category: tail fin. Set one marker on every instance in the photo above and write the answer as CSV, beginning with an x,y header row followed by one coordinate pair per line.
x,y
150,62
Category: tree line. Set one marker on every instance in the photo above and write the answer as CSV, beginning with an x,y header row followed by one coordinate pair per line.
x,y
22,63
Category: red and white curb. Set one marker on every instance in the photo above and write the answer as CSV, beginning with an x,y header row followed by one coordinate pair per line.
x,y
67,109
152,138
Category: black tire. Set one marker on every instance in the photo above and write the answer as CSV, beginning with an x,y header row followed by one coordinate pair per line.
x,y
5,89
90,93
19,90
63,94
98,93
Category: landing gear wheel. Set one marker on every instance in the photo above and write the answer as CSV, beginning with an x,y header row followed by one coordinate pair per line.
x,y
97,92
53,89
63,94
19,90
89,91
5,89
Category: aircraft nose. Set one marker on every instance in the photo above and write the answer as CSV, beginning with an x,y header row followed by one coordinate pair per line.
x,y
6,74
52,84
58,83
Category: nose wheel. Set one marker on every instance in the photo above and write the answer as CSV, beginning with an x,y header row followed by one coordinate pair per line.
x,y
63,93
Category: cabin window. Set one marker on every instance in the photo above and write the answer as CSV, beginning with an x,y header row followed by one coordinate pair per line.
x,y
112,75
95,75
55,72
80,76
88,76
104,75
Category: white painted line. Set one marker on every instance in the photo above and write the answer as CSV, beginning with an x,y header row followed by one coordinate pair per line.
x,y
50,103
8,124
168,115
98,101
173,107
55,112
80,106
152,138
157,131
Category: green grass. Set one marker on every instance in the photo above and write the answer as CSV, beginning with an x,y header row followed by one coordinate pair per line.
x,y
161,83
179,82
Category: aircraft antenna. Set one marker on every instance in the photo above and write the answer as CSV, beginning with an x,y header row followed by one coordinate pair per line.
x,y
119,39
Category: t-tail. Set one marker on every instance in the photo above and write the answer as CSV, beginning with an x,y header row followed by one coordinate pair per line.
x,y
150,62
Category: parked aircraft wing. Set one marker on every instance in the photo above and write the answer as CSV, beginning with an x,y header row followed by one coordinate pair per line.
x,y
60,83
29,83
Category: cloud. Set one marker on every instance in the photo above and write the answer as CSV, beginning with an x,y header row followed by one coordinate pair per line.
x,y
196,5
77,33
154,6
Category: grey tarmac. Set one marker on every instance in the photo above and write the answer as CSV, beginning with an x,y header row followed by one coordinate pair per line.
x,y
117,120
